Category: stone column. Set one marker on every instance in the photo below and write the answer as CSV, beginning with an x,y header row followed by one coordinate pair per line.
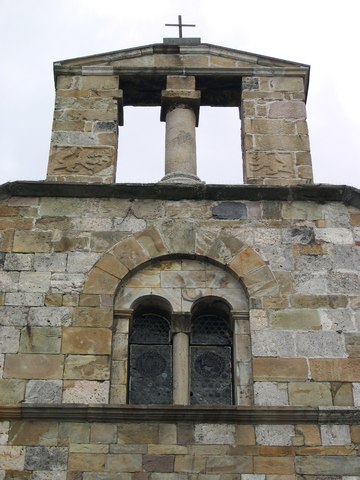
x,y
85,129
275,139
181,369
119,364
180,110
243,378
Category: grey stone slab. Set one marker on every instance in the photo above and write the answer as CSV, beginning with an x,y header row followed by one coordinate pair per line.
x,y
320,344
335,434
274,434
50,262
267,343
25,299
344,283
270,394
50,316
81,262
66,282
18,261
13,316
329,465
9,281
34,282
9,339
43,391
280,258
298,235
44,475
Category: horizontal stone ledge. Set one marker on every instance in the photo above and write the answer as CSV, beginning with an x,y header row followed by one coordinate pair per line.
x,y
320,193
152,413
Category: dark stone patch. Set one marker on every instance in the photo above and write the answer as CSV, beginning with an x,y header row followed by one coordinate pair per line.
x,y
303,235
2,260
250,83
230,211
158,463
46,458
271,210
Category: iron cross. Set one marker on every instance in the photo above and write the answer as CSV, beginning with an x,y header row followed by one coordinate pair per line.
x,y
180,25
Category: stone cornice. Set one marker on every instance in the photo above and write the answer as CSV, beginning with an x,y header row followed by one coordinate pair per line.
x,y
139,413
320,193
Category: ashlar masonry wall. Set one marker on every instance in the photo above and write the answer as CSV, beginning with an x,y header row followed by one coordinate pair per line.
x,y
63,262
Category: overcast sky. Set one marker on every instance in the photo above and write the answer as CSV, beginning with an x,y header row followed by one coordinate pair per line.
x,y
324,34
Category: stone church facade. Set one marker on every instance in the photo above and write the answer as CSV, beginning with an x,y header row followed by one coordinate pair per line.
x,y
178,330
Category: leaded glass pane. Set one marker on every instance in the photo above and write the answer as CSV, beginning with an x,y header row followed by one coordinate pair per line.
x,y
210,330
150,328
150,374
211,377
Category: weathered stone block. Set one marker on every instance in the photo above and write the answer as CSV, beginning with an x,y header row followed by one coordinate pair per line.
x,y
93,317
46,458
12,458
53,262
320,344
304,319
40,340
310,394
9,339
11,391
230,210
274,434
214,433
158,463
66,282
33,366
124,463
19,262
287,109
270,394
32,242
50,316
274,465
33,433
267,343
87,367
103,433
88,341
335,434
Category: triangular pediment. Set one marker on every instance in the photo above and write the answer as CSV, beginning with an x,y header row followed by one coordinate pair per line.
x,y
200,56
216,69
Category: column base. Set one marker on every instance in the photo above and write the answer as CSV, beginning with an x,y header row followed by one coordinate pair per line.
x,y
178,177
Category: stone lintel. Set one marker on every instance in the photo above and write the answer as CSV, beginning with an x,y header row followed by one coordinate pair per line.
x,y
320,193
182,41
175,413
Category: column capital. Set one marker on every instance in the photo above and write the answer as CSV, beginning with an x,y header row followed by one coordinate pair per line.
x,y
180,93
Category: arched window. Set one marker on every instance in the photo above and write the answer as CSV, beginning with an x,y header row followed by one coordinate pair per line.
x,y
150,356
211,376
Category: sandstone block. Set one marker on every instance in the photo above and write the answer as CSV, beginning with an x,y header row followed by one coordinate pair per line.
x,y
33,433
93,317
87,462
111,265
12,391
189,463
303,319
99,281
287,109
280,369
34,366
32,242
103,433
75,435
85,391
352,345
310,433
80,262
327,465
87,367
40,340
135,433
233,464
311,394
286,143
124,463
335,370
2,358
158,463
12,458
88,341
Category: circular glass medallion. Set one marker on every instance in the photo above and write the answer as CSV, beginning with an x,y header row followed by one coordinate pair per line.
x,y
150,364
209,364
